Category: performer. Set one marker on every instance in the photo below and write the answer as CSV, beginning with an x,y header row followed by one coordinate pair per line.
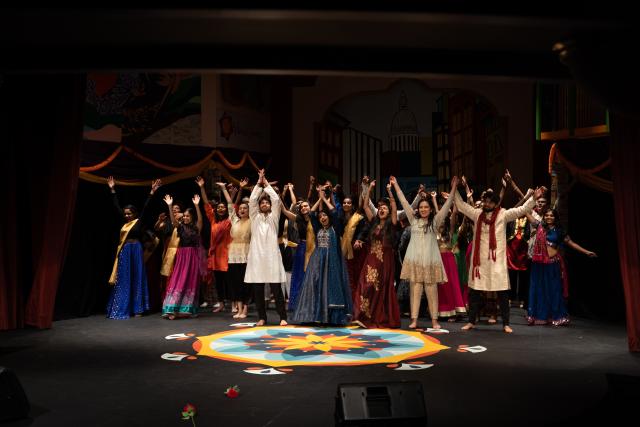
x,y
264,262
239,291
488,270
218,256
165,228
325,296
548,273
422,264
130,293
375,302
181,299
305,246
450,301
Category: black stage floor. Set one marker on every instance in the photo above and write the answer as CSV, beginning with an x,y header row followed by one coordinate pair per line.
x,y
99,372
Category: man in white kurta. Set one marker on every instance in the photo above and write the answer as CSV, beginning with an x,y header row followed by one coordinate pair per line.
x,y
264,262
491,274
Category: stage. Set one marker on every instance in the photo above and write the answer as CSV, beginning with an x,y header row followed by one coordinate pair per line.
x,y
142,371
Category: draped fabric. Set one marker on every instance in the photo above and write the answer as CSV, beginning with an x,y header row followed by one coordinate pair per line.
x,y
625,153
41,120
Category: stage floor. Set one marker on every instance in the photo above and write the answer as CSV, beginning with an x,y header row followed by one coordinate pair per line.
x,y
142,371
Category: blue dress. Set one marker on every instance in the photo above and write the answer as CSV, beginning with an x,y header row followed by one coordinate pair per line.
x,y
325,295
546,300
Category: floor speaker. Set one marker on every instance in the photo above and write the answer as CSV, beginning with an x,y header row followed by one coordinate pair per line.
x,y
381,404
13,401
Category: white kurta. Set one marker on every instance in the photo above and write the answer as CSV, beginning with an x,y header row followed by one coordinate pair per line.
x,y
264,262
494,275
423,263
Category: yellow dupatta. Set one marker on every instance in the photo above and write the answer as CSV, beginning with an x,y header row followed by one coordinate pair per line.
x,y
124,232
347,235
169,255
311,244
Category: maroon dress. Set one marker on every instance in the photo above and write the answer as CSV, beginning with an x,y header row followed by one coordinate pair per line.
x,y
375,303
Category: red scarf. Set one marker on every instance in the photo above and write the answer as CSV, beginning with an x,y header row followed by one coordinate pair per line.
x,y
493,244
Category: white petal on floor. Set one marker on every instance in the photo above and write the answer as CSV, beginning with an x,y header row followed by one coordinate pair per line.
x,y
412,367
267,371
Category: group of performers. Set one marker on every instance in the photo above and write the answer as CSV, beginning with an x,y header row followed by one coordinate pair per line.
x,y
331,259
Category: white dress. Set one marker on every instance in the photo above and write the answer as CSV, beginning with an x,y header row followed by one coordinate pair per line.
x,y
423,263
494,275
264,262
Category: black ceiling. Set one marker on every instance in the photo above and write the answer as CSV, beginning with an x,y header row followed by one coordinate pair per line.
x,y
451,38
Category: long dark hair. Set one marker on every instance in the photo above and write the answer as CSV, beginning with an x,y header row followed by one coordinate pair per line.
x,y
194,217
432,214
301,223
387,228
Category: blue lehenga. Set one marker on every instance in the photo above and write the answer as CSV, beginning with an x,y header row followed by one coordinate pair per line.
x,y
130,293
325,295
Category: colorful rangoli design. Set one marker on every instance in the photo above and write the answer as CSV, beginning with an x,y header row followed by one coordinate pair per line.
x,y
278,346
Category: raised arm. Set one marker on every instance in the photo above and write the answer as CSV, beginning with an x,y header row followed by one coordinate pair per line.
x,y
367,209
196,202
326,201
394,207
525,198
292,194
468,191
169,201
408,209
442,214
223,188
200,182
253,200
276,203
464,208
316,205
503,190
111,182
512,184
242,185
312,186
144,213
513,213
434,200
290,215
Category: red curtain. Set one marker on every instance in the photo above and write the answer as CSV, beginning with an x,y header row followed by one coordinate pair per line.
x,y
41,121
625,153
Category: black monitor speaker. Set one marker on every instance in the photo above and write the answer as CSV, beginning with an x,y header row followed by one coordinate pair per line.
x,y
13,401
381,404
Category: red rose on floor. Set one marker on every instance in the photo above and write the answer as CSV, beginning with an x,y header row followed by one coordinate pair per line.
x,y
189,411
232,392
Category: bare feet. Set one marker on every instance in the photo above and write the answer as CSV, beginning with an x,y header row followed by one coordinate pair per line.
x,y
435,324
171,316
283,322
359,323
236,316
218,309
260,322
508,329
492,320
468,327
413,324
